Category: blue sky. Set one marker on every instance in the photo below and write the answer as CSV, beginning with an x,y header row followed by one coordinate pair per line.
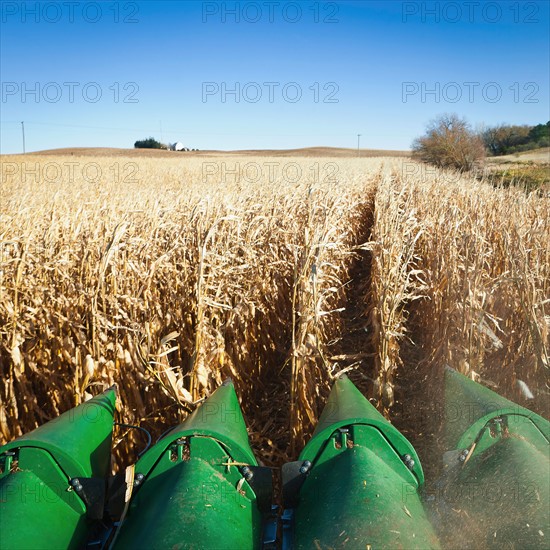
x,y
236,75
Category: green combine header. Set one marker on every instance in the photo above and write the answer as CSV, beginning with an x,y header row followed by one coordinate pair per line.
x,y
358,483
495,491
200,486
53,480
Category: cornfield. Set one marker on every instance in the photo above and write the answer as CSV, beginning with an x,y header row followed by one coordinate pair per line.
x,y
170,281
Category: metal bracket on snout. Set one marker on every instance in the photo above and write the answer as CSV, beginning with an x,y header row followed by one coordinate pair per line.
x,y
498,426
260,479
92,492
7,460
295,473
342,439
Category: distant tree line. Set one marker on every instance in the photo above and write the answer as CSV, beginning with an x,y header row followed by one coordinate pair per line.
x,y
149,143
506,139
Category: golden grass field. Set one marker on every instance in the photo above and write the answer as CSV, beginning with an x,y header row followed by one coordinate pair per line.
x,y
167,274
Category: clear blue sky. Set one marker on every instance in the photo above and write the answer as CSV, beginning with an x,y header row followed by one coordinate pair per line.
x,y
361,67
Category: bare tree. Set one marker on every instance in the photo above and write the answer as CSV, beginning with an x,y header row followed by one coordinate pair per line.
x,y
449,142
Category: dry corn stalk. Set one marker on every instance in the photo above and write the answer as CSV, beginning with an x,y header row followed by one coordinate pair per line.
x,y
169,285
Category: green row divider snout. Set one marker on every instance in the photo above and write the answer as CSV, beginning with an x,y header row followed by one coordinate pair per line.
x,y
200,486
53,480
356,483
495,488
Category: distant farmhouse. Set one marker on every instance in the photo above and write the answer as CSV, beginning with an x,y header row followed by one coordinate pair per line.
x,y
178,146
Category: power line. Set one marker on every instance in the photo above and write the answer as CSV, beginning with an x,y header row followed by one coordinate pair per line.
x,y
171,131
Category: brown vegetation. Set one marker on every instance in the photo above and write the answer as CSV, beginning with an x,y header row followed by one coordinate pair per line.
x,y
449,142
168,285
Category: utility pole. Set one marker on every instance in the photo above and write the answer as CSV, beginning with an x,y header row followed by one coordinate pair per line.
x,y
23,130
358,142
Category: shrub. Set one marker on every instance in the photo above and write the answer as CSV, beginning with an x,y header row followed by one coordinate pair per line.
x,y
449,142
